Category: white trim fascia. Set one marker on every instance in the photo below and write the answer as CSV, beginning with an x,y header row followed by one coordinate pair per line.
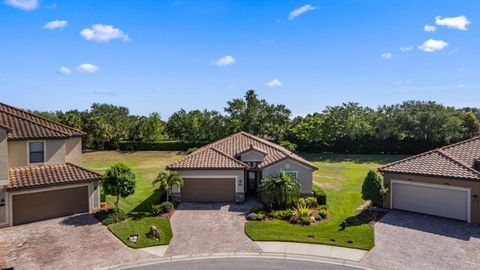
x,y
215,176
44,152
289,160
449,187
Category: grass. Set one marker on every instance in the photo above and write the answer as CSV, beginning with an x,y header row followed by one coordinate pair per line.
x,y
341,176
146,166
141,227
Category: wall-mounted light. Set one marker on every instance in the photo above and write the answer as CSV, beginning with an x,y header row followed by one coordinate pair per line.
x,y
287,166
475,198
2,202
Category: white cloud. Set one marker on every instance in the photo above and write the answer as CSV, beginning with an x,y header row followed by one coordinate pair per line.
x,y
429,28
274,83
225,61
55,24
459,22
22,4
87,68
406,48
386,56
103,33
299,11
64,70
433,45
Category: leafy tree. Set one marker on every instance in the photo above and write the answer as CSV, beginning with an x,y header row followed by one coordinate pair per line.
x,y
279,191
471,125
149,129
166,180
119,181
288,145
373,189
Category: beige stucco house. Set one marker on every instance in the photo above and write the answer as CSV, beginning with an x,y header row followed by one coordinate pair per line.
x,y
443,182
232,167
40,169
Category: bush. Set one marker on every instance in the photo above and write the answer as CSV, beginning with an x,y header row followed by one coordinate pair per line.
x,y
166,207
280,191
252,216
288,145
158,146
373,189
113,216
155,210
311,202
260,216
256,208
320,195
323,213
281,214
302,214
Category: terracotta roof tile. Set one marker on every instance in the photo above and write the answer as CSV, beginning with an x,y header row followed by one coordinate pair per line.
x,y
454,161
47,175
208,158
235,144
25,125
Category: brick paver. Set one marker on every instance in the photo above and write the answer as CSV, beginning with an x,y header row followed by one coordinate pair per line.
x,y
414,241
201,228
76,242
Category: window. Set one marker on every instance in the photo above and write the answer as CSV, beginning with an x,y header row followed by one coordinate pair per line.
x,y
36,152
292,173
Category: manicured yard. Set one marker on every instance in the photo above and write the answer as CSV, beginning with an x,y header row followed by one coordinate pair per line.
x,y
141,227
341,177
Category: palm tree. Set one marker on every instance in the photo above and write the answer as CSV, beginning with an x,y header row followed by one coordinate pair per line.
x,y
279,191
166,181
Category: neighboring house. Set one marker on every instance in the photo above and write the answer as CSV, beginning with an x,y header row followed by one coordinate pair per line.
x,y
442,182
230,168
40,169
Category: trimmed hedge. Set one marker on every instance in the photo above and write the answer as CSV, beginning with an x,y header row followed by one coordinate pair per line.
x,y
158,146
320,195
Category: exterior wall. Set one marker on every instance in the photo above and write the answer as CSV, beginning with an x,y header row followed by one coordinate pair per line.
x,y
252,156
304,174
474,186
73,149
237,174
3,159
55,152
3,208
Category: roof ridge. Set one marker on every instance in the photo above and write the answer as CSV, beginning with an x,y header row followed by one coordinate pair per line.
x,y
234,159
276,146
458,162
38,116
83,168
407,159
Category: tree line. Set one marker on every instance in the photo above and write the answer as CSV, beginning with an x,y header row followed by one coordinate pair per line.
x,y
406,128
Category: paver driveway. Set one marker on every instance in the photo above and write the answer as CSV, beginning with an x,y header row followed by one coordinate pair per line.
x,y
75,242
201,228
414,241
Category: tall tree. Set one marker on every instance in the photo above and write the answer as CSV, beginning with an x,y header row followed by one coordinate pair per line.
x,y
471,125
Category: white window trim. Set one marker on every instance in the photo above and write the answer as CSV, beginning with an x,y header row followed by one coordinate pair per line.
x,y
413,183
290,171
44,152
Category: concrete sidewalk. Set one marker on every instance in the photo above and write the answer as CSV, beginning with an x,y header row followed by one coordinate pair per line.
x,y
350,254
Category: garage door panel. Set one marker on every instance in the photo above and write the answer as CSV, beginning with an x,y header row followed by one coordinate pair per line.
x,y
38,206
433,200
208,189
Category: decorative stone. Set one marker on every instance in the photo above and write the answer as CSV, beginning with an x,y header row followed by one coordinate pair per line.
x,y
154,232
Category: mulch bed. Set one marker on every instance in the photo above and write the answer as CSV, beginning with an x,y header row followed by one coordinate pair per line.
x,y
371,216
167,215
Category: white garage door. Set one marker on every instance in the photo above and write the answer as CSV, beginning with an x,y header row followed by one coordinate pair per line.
x,y
438,200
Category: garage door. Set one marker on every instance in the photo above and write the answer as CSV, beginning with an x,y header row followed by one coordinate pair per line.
x,y
438,200
49,204
208,190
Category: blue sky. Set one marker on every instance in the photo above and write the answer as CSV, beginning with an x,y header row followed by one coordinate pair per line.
x,y
166,55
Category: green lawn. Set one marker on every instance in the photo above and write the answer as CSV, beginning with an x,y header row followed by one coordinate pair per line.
x,y
341,177
146,166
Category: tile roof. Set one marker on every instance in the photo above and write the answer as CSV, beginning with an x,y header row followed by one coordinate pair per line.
x,y
48,175
232,146
24,125
453,161
209,158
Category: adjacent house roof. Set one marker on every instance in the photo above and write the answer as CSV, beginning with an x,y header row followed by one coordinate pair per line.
x,y
23,125
452,161
222,154
49,175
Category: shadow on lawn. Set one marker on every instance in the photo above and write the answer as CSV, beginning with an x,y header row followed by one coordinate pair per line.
x,y
143,209
359,159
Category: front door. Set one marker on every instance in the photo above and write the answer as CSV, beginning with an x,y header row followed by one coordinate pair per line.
x,y
252,176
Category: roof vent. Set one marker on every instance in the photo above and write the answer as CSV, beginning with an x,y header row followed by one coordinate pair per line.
x,y
476,164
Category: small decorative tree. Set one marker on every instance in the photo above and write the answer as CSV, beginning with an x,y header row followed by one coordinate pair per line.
x,y
166,181
279,191
119,181
373,189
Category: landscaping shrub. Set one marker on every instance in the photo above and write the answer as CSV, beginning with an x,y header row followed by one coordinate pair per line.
x,y
256,208
113,216
158,146
280,191
281,214
166,207
260,216
311,202
252,216
323,213
373,189
320,195
155,210
302,214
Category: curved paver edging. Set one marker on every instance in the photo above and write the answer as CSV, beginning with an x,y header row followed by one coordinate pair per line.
x,y
265,255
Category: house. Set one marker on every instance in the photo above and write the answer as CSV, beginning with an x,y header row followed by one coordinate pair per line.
x,y
40,169
232,167
443,182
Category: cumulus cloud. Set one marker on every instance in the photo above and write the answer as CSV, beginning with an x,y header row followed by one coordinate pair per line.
x,y
406,48
386,56
23,4
103,33
274,83
87,68
225,61
55,24
429,28
64,70
433,45
459,22
299,11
